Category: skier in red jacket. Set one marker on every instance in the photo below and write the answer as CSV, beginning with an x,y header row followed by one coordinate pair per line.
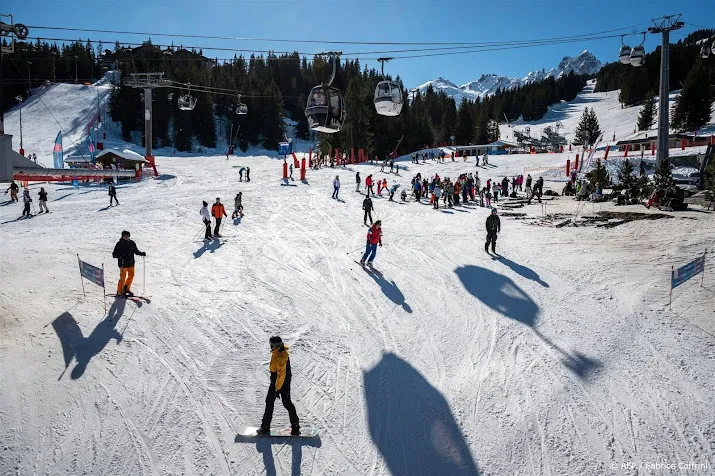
x,y
374,237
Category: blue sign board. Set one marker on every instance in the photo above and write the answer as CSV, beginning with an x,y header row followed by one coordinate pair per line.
x,y
285,148
682,274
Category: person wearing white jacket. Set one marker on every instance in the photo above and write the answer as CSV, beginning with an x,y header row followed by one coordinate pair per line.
x,y
206,216
437,193
336,187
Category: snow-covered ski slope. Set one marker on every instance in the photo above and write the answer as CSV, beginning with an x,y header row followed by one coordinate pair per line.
x,y
560,358
611,117
71,108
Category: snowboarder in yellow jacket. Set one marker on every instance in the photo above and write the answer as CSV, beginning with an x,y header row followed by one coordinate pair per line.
x,y
279,387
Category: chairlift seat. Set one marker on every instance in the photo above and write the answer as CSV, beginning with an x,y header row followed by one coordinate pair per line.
x,y
388,98
241,109
187,102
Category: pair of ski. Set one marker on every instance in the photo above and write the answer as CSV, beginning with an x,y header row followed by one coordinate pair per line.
x,y
368,267
305,432
137,299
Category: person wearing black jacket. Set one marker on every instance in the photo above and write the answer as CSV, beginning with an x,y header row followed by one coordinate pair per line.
x,y
367,206
124,252
493,227
43,200
357,181
13,192
538,190
112,194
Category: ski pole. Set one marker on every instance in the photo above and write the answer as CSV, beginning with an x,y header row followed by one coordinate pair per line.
x,y
353,251
144,278
196,236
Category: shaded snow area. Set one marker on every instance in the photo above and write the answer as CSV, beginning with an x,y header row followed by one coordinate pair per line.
x,y
561,357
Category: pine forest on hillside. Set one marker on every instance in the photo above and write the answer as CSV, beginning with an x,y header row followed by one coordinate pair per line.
x,y
276,86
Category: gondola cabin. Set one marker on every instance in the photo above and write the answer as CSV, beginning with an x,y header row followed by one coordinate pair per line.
x,y
325,109
388,98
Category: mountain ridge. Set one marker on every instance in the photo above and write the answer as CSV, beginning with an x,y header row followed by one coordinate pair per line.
x,y
488,84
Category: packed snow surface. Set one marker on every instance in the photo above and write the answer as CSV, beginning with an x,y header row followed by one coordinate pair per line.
x,y
562,357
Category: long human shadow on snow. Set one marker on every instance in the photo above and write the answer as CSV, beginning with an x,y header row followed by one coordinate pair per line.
x,y
82,349
505,296
411,422
390,289
528,273
210,246
264,446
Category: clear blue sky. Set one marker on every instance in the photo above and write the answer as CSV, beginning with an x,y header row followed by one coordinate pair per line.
x,y
376,20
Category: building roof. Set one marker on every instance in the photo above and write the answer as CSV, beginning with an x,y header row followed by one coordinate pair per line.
x,y
126,154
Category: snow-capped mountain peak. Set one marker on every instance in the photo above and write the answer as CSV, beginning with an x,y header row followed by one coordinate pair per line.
x,y
488,84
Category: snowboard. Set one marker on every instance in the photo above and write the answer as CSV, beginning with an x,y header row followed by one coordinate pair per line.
x,y
305,432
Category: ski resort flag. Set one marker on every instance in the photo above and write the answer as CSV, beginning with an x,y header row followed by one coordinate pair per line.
x,y
682,274
91,273
57,152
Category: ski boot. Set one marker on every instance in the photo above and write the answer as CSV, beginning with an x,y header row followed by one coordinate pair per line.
x,y
263,430
128,293
295,430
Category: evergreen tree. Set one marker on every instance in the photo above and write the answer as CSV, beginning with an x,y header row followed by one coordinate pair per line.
x,y
463,129
625,174
646,117
693,106
588,130
599,174
493,131
663,175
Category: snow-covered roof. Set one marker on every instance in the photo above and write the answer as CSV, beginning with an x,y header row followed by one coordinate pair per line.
x,y
125,154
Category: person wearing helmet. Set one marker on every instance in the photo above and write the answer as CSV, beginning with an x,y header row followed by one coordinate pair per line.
x,y
238,206
374,237
279,387
124,252
206,217
218,212
26,200
493,228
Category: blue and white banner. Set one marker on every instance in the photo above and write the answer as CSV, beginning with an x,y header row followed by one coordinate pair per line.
x,y
682,274
57,152
91,273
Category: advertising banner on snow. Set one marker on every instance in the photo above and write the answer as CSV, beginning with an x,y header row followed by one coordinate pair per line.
x,y
682,274
57,158
91,273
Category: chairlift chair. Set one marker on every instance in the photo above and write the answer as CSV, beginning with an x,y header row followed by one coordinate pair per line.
x,y
187,102
712,48
637,57
326,106
241,108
